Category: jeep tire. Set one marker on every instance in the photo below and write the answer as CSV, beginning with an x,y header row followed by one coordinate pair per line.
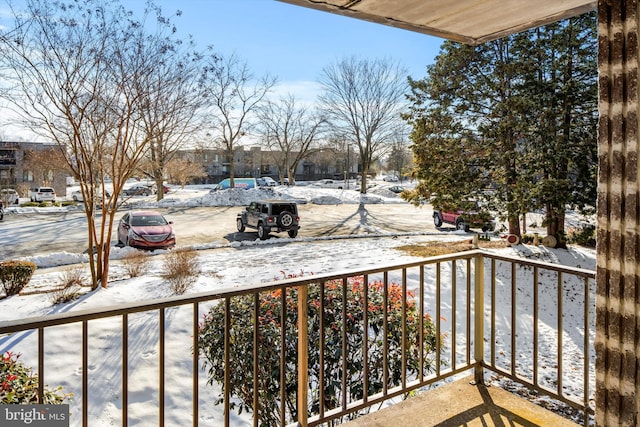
x,y
462,226
285,219
262,232
292,233
240,225
437,219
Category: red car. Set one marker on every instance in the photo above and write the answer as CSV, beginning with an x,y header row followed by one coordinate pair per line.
x,y
470,216
146,230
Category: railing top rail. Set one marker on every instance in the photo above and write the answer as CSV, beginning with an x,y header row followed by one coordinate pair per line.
x,y
157,304
549,266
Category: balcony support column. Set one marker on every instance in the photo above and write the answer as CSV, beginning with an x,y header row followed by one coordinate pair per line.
x,y
617,341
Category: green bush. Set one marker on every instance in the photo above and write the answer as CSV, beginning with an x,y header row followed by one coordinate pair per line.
x,y
212,345
18,384
527,239
14,275
39,204
584,236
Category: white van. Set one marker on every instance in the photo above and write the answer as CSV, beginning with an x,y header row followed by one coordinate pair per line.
x,y
244,183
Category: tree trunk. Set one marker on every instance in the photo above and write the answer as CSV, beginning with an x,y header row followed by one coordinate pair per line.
x,y
291,177
159,181
231,168
363,181
513,222
555,224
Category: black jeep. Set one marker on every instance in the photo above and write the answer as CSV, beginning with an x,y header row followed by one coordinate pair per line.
x,y
270,215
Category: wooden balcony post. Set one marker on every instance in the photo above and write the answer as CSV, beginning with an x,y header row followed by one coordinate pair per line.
x,y
303,355
478,319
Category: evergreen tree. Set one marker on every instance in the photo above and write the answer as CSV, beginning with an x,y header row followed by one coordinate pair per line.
x,y
561,87
515,116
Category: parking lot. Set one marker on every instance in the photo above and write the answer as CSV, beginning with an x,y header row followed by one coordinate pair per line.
x,y
41,233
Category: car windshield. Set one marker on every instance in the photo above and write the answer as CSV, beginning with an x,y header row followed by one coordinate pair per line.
x,y
143,220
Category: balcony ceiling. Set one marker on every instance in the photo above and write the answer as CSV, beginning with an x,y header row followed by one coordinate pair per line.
x,y
467,21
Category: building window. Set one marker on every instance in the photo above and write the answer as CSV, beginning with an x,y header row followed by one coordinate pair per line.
x,y
27,176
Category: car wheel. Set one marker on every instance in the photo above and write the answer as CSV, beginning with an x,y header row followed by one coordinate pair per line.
x,y
460,225
262,233
293,233
285,219
240,225
437,219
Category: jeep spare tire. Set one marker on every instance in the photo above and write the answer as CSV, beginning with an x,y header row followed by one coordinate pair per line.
x,y
285,219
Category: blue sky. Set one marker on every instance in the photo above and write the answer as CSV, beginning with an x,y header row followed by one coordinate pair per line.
x,y
289,42
292,42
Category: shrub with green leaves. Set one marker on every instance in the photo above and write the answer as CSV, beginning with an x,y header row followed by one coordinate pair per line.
x,y
19,385
584,236
14,275
211,345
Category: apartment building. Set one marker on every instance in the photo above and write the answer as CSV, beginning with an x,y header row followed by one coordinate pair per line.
x,y
16,171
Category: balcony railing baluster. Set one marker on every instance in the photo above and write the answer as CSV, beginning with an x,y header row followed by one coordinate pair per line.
x,y
478,325
161,366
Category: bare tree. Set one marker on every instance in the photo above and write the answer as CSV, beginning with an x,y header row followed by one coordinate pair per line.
x,y
171,96
181,170
44,164
76,69
233,96
289,131
363,100
400,159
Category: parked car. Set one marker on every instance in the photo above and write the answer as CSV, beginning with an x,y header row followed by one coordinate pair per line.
x,y
42,194
468,216
137,190
396,189
145,230
9,196
270,215
269,182
329,183
390,178
76,196
154,188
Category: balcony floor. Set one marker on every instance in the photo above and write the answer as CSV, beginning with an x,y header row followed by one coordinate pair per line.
x,y
463,404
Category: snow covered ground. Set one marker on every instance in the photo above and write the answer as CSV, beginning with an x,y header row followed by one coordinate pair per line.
x,y
235,265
